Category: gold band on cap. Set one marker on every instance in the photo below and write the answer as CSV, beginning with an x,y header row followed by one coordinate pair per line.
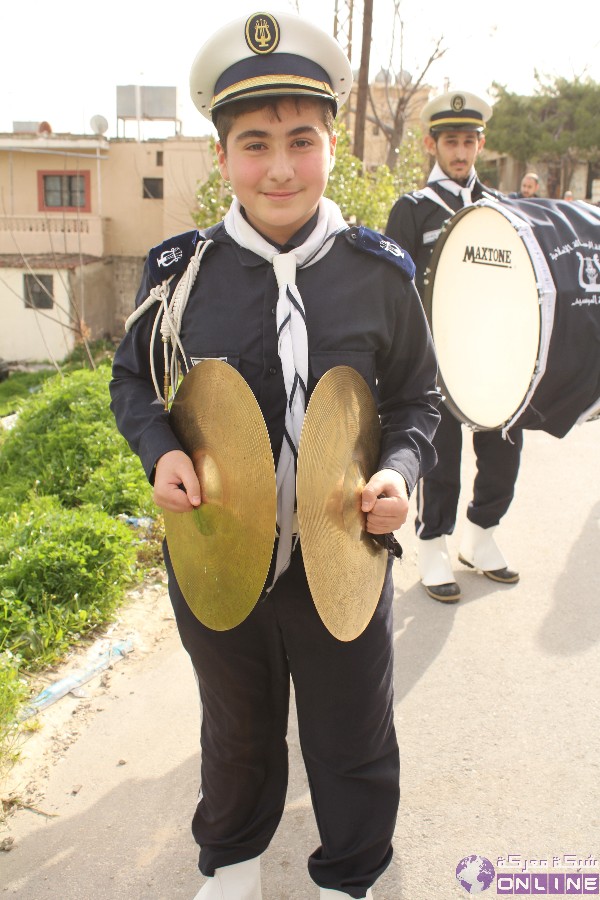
x,y
456,120
283,82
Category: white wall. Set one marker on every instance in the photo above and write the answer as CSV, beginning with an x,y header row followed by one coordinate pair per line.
x,y
30,335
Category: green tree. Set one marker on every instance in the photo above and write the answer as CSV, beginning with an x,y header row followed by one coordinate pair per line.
x,y
213,196
558,126
364,196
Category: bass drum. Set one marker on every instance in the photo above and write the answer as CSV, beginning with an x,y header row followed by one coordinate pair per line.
x,y
512,295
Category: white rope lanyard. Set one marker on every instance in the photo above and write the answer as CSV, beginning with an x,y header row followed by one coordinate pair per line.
x,y
168,319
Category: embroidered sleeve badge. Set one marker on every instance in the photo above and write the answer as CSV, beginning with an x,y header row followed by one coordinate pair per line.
x,y
172,256
382,246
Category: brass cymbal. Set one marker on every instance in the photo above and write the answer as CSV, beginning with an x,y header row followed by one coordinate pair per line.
x,y
337,455
222,550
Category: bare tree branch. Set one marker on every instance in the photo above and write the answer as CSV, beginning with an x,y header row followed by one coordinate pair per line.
x,y
399,99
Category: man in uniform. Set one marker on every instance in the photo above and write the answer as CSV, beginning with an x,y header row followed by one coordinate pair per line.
x,y
455,124
272,85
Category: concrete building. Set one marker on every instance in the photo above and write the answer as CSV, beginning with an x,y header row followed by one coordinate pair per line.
x,y
77,216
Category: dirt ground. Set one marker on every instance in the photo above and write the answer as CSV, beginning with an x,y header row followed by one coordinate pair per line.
x,y
142,623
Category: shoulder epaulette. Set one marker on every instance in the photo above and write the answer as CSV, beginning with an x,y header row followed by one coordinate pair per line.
x,y
384,247
173,255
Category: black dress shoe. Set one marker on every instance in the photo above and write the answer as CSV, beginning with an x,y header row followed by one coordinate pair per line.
x,y
445,593
504,576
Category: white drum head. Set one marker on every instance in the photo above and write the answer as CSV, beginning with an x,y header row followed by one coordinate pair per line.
x,y
485,316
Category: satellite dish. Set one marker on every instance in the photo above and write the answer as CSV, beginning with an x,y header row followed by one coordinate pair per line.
x,y
99,125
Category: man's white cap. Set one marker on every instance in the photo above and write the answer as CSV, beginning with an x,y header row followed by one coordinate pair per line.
x,y
456,111
269,55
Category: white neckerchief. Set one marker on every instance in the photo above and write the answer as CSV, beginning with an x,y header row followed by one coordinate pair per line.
x,y
292,345
438,176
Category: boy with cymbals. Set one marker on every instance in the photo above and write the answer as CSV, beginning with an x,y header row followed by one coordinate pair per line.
x,y
272,85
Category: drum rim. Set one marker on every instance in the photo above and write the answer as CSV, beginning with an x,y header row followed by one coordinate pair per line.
x,y
427,301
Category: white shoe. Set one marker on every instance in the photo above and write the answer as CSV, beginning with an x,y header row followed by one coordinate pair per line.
x,y
479,549
436,572
238,882
328,894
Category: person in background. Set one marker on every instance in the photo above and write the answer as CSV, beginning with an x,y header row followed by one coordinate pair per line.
x,y
284,292
454,137
530,185
568,196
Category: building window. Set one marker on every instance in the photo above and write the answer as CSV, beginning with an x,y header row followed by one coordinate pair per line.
x,y
159,157
64,191
37,291
153,188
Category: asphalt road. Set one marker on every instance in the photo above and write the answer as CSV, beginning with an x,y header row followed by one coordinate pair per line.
x,y
497,712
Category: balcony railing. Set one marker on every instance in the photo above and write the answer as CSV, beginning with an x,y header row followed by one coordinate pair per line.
x,y
51,234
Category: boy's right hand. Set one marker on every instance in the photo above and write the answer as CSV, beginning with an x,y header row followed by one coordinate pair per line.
x,y
173,472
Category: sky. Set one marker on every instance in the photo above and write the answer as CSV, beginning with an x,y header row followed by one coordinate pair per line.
x,y
61,62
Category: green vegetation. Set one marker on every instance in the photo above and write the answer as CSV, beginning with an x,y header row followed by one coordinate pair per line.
x,y
18,387
366,197
65,444
67,480
61,573
558,126
21,384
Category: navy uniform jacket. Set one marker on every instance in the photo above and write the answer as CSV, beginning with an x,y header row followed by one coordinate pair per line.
x,y
362,310
416,221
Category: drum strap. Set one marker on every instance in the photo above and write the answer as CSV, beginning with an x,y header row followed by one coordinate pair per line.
x,y
431,195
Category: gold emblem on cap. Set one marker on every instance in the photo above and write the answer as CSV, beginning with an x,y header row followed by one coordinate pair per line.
x,y
262,33
458,103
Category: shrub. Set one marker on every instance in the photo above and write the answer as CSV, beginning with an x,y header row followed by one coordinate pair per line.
x,y
62,572
18,387
119,485
65,443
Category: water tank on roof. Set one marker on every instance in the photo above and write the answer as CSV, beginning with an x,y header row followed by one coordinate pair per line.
x,y
26,127
144,102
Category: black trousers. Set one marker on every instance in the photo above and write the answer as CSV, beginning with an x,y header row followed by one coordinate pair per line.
x,y
344,702
494,486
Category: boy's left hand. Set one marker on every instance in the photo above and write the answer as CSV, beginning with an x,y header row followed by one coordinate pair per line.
x,y
385,500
